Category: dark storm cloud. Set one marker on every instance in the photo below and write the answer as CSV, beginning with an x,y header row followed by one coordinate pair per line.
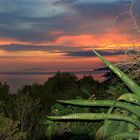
x,y
102,10
32,20
25,19
91,54
97,18
58,2
67,50
51,49
92,17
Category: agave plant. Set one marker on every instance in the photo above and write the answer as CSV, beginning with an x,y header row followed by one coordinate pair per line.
x,y
122,120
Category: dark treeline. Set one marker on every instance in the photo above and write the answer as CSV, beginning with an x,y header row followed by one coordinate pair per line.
x,y
21,113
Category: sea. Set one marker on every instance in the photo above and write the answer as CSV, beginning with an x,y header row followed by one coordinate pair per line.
x,y
17,80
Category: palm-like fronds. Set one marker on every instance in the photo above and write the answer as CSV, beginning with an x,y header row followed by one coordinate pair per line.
x,y
128,117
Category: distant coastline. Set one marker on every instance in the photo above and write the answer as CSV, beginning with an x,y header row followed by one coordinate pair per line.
x,y
51,73
17,80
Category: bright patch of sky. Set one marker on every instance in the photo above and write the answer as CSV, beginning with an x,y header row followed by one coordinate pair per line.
x,y
99,1
33,8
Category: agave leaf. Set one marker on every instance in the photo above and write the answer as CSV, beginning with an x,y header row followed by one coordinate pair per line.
x,y
99,133
113,127
109,125
125,135
131,127
123,127
126,127
111,130
94,116
104,103
129,82
131,98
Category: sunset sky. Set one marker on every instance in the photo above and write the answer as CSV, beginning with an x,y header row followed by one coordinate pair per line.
x,y
47,35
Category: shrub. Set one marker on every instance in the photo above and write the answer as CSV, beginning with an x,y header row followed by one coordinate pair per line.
x,y
122,118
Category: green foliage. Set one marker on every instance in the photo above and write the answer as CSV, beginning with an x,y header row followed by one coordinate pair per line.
x,y
4,91
76,130
61,82
122,118
5,126
63,86
20,113
129,82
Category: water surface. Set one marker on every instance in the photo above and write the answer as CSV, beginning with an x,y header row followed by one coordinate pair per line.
x,y
17,81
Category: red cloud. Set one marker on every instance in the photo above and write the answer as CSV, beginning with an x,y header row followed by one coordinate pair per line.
x,y
114,40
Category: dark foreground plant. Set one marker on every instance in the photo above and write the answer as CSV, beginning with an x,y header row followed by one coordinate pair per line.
x,y
122,120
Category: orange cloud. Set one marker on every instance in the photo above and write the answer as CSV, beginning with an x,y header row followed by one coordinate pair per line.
x,y
105,41
112,40
57,32
2,52
8,41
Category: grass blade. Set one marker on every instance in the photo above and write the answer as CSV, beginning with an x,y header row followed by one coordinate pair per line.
x,y
125,135
129,82
131,98
95,117
104,103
